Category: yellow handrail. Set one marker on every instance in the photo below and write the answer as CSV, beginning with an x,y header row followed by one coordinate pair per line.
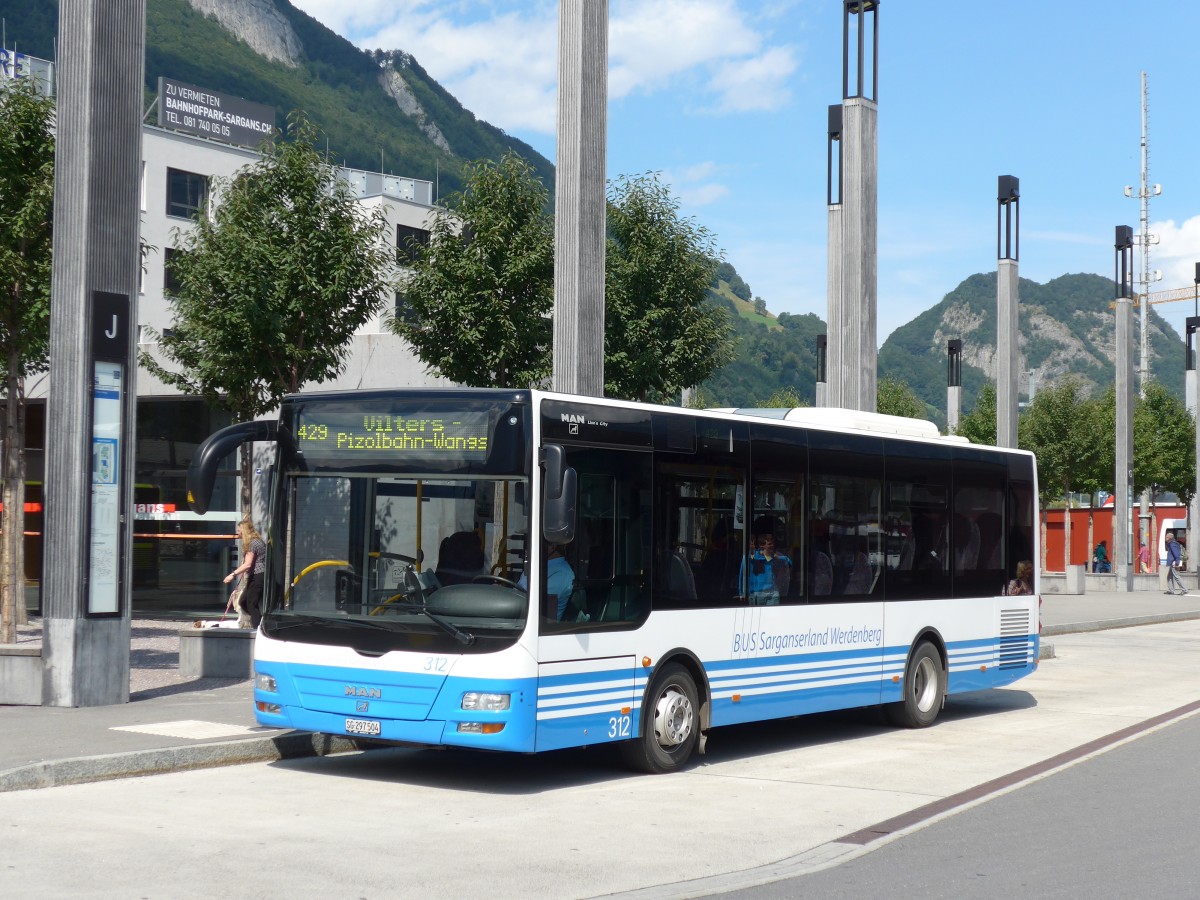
x,y
313,567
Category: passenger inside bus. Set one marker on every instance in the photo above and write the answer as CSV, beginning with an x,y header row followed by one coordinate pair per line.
x,y
460,559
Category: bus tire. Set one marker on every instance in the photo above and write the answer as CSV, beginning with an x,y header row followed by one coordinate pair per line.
x,y
670,724
924,689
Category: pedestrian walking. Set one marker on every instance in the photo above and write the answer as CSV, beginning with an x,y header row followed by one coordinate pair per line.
x,y
1144,557
254,564
1175,584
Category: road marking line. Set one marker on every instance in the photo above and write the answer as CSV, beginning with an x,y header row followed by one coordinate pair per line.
x,y
188,728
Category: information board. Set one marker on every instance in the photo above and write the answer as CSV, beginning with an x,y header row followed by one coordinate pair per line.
x,y
104,580
331,432
185,107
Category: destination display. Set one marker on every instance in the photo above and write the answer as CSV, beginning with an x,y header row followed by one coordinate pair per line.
x,y
332,432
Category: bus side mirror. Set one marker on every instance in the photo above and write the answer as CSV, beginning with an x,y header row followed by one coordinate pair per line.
x,y
559,490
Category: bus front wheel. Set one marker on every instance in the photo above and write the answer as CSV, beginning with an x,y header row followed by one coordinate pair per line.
x,y
924,689
670,724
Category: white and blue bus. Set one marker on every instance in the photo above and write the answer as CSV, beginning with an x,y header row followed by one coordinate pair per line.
x,y
525,571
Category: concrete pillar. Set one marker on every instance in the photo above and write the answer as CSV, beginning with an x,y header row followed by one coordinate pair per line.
x,y
101,50
833,269
834,332
1123,475
1192,390
579,197
852,375
1007,354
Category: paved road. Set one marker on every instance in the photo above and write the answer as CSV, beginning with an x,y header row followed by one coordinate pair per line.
x,y
768,801
1120,824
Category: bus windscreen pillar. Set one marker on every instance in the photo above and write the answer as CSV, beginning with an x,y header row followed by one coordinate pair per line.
x,y
91,398
1008,330
853,348
580,207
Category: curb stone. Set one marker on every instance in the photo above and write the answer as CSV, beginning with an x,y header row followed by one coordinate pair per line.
x,y
81,770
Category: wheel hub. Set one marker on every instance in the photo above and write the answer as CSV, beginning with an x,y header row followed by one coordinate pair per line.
x,y
672,718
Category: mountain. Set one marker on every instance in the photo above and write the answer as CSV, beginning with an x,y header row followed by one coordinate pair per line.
x,y
1067,325
377,109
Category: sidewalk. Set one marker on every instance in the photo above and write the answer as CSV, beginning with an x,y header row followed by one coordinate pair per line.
x,y
173,723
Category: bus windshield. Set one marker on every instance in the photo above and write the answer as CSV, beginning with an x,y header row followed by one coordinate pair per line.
x,y
405,556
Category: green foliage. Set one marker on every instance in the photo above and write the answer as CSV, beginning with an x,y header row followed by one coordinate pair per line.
x,y
660,334
784,398
896,398
27,201
1164,445
274,283
768,360
478,298
728,274
979,425
1065,430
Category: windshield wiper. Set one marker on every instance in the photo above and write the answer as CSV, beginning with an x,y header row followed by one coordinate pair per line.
x,y
463,637
331,621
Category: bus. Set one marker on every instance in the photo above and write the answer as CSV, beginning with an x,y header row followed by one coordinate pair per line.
x,y
415,590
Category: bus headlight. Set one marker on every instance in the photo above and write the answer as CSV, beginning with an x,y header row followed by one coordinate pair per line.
x,y
480,701
265,682
480,727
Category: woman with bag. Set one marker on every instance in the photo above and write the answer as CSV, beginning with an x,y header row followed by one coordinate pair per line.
x,y
254,564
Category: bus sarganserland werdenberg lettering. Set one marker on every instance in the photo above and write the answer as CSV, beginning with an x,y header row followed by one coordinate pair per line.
x,y
527,571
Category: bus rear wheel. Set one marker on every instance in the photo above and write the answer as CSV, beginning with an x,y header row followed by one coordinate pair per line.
x,y
670,724
924,689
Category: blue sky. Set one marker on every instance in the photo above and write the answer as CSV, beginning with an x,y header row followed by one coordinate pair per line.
x,y
728,100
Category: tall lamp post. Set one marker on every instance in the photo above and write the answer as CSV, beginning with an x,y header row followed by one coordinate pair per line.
x,y
1008,243
822,397
1193,374
953,383
1123,480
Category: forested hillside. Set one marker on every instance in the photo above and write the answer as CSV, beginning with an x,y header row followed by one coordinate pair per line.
x,y
1066,324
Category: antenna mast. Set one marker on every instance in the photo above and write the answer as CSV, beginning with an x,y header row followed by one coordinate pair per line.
x,y
1145,239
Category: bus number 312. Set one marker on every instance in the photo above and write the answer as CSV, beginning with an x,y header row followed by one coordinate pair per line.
x,y
618,727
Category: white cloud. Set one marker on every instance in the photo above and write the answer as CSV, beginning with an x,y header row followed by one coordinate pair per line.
x,y
756,84
696,185
1177,252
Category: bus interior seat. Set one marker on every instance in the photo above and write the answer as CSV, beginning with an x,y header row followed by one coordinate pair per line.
x,y
822,584
680,580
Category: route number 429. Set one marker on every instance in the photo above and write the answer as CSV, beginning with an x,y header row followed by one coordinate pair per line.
x,y
618,727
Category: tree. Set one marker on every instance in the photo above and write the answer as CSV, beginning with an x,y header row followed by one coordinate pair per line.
x,y
1164,445
273,283
27,201
477,301
660,334
783,398
896,398
979,425
1065,430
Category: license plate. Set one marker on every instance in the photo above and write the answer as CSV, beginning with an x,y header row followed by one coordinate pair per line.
x,y
361,726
